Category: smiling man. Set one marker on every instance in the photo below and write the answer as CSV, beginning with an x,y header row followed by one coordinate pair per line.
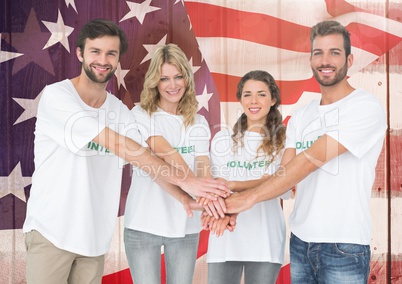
x,y
342,136
83,134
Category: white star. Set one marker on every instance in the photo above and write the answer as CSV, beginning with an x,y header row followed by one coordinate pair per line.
x,y
14,183
193,68
203,99
120,74
60,33
139,10
5,56
151,48
177,1
30,108
72,3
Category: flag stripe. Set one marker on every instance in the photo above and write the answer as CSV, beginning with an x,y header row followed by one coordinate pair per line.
x,y
315,9
291,90
235,57
273,31
372,39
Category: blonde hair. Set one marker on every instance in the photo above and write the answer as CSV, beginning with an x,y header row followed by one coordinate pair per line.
x,y
150,96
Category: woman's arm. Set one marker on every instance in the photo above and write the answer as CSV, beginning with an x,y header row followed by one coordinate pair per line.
x,y
213,207
142,158
188,202
166,152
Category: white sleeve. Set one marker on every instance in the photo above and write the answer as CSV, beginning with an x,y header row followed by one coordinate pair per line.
x,y
360,126
145,123
63,119
129,126
291,132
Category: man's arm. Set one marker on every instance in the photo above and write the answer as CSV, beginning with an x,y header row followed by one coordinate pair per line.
x,y
138,156
237,186
322,151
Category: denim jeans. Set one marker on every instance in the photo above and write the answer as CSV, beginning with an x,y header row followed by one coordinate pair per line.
x,y
328,263
143,252
254,272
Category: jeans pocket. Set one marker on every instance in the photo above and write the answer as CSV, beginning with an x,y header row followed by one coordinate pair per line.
x,y
352,249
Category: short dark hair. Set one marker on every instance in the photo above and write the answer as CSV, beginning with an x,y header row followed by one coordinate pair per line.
x,y
98,28
328,28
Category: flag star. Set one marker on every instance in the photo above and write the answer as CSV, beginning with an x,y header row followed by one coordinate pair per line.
x,y
120,74
139,10
5,56
193,68
14,183
177,1
30,108
60,33
30,43
203,99
72,3
152,47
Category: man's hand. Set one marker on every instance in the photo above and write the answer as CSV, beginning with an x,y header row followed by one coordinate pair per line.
x,y
190,204
204,187
232,222
239,201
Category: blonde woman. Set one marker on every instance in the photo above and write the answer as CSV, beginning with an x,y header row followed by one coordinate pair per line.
x,y
173,130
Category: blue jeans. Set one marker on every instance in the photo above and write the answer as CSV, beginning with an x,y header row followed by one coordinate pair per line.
x,y
254,272
143,252
328,263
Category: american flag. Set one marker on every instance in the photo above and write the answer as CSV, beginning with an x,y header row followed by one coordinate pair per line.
x,y
223,39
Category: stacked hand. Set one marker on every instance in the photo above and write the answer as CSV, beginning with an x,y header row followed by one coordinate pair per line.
x,y
218,226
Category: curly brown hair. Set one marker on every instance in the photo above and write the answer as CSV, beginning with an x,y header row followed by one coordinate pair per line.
x,y
274,132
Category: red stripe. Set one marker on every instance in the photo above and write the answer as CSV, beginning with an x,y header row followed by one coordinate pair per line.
x,y
372,40
271,31
284,275
207,21
121,277
203,243
339,7
365,37
291,91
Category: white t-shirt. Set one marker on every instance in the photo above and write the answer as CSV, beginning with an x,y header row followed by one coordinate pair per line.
x,y
260,231
333,203
149,208
74,198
